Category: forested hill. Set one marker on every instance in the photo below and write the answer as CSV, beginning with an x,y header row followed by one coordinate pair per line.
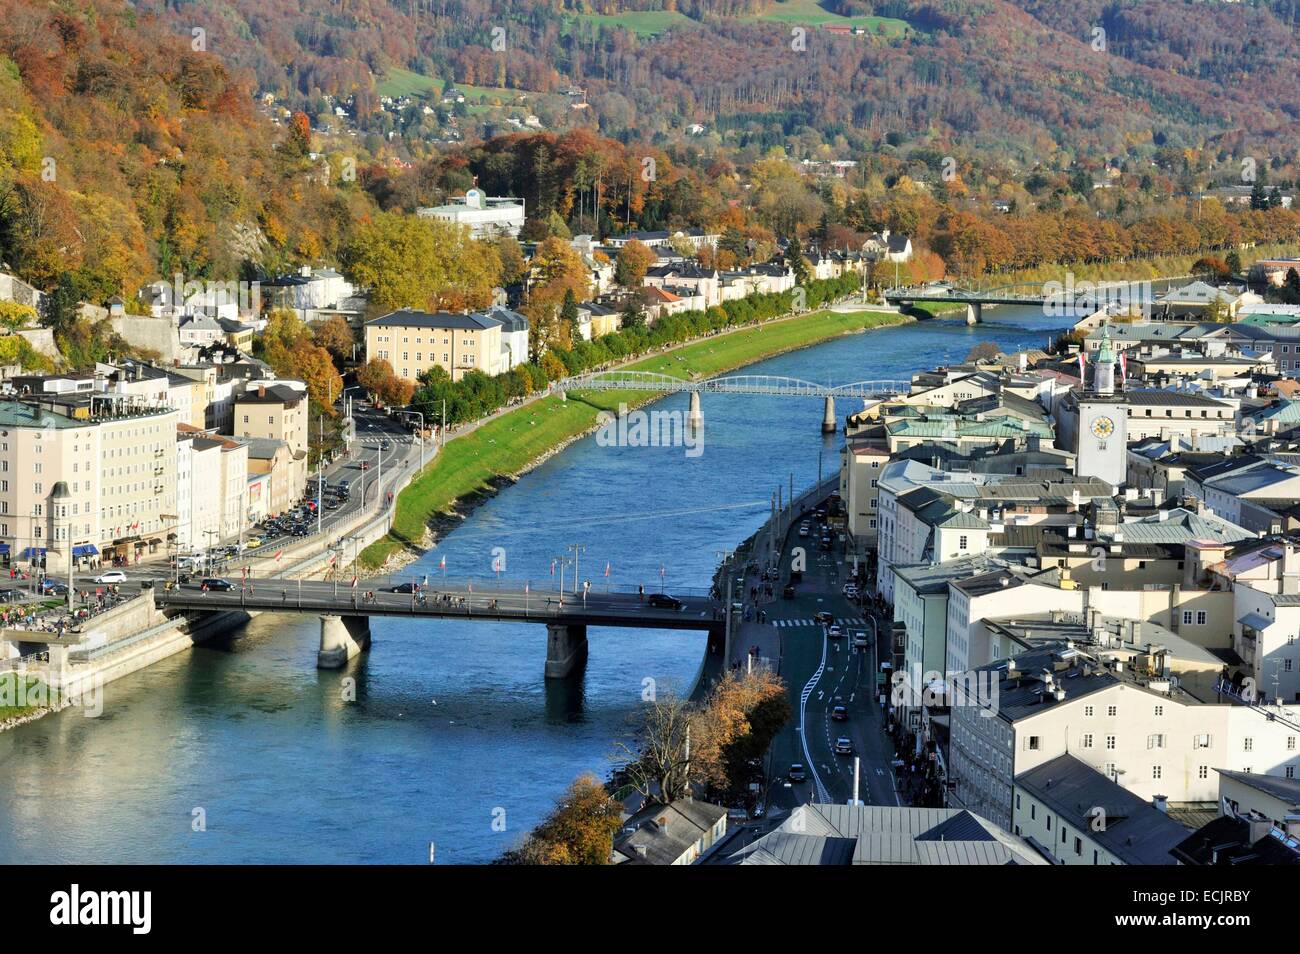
x,y
1020,77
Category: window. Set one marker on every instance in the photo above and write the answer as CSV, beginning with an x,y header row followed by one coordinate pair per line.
x,y
1160,710
1155,771
1049,822
1110,742
1087,740
1112,711
1290,771
1187,617
1201,742
1078,845
1201,617
1203,772
1031,743
1249,744
1290,743
1155,741
1087,711
961,542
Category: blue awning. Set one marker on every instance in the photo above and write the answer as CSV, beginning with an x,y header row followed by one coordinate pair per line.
x,y
4,548
33,551
85,549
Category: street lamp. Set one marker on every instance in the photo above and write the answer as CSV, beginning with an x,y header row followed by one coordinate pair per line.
x,y
420,415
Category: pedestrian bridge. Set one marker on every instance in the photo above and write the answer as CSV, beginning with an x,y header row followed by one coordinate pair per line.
x,y
345,611
621,380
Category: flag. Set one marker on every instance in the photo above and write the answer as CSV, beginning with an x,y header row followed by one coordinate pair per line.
x,y
607,571
1123,369
525,587
1083,360
278,554
354,582
552,568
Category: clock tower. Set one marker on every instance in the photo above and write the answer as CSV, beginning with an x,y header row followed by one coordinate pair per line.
x,y
1101,442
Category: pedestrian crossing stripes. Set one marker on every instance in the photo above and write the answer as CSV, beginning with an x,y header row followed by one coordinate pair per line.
x,y
842,620
393,439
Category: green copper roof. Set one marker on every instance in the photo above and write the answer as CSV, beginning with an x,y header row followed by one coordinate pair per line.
x,y
1105,352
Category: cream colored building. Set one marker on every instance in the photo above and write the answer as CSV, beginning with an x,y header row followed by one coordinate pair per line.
x,y
113,463
274,411
414,341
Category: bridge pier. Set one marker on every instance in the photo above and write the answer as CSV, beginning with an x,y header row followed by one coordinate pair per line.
x,y
566,649
829,424
974,313
695,416
342,638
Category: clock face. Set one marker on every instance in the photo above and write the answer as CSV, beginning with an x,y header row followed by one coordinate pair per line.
x,y
1102,427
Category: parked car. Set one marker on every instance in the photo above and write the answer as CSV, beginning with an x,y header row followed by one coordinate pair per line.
x,y
664,601
840,714
797,773
844,745
111,576
216,583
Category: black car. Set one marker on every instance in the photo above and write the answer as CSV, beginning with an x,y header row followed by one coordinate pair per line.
x,y
664,601
216,583
788,593
403,588
796,773
840,714
51,588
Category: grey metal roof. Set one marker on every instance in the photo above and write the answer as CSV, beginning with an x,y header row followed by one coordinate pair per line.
x,y
1287,789
1135,831
876,835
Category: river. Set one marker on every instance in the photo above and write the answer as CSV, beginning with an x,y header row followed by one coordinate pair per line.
x,y
242,751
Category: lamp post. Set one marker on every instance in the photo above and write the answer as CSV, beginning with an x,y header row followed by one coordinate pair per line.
x,y
420,415
577,551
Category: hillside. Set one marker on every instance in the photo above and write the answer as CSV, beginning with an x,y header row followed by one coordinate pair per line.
x,y
1020,79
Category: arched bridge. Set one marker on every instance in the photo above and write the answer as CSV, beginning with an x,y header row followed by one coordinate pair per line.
x,y
620,380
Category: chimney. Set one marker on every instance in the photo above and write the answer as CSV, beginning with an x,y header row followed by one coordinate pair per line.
x,y
1259,828
261,390
1160,803
641,850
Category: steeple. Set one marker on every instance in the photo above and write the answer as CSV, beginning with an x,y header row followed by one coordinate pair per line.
x,y
1103,375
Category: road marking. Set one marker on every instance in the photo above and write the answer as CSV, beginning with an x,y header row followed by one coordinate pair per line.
x,y
822,794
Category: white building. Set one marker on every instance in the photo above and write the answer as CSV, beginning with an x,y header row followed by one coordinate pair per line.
x,y
487,216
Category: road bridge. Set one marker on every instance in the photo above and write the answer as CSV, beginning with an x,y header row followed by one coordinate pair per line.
x,y
345,611
1070,296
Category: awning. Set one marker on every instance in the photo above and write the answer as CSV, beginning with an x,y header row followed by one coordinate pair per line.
x,y
4,548
33,551
85,549
1255,621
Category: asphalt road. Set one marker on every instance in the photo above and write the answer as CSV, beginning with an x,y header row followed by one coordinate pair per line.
x,y
822,673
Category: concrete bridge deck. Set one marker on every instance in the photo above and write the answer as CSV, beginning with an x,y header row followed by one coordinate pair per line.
x,y
345,612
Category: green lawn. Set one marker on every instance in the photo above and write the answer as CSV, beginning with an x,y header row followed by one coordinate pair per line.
x,y
812,12
32,690
469,464
400,82
641,22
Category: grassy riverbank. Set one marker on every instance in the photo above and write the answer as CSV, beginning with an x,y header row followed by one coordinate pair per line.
x,y
474,464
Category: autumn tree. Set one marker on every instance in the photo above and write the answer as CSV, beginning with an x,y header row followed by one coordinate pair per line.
x,y
658,754
579,831
633,261
334,334
409,262
739,719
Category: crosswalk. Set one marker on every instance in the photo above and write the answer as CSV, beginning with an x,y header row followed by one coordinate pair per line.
x,y
842,620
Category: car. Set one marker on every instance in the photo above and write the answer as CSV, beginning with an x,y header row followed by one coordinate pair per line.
x,y
253,544
834,631
365,465
53,588
9,596
851,590
216,583
758,812
664,601
844,745
860,640
822,616
344,486
803,529
111,576
797,773
840,714
788,593
403,588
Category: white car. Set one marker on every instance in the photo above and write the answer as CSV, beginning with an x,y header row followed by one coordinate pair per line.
x,y
112,576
